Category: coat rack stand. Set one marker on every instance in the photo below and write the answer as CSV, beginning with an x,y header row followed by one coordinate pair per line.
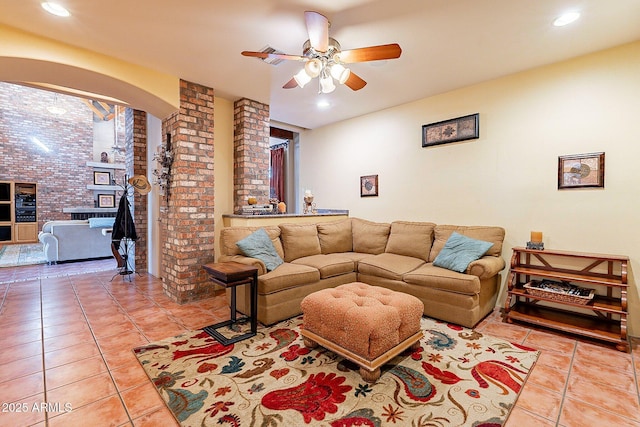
x,y
127,241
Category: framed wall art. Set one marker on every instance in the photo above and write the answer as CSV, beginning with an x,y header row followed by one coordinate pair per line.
x,y
106,201
454,130
581,171
101,178
368,185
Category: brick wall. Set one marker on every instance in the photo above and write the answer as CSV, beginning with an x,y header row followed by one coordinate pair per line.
x,y
251,152
61,173
187,220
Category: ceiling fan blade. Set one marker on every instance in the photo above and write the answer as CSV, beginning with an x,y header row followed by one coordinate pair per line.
x,y
318,29
355,82
371,53
274,56
290,84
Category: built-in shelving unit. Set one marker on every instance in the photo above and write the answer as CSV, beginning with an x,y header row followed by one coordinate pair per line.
x,y
602,317
18,212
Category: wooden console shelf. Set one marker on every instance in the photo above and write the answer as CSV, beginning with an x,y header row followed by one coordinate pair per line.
x,y
604,317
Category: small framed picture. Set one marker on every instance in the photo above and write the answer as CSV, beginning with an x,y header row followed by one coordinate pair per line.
x,y
368,185
106,201
101,178
581,171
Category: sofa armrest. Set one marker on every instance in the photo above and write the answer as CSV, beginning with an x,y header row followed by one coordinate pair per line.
x,y
486,267
254,262
50,243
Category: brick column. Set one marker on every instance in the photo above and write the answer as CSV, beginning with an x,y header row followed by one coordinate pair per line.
x,y
135,124
251,152
140,201
187,219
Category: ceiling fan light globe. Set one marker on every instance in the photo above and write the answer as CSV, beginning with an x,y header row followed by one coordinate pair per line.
x,y
326,84
302,78
340,73
313,67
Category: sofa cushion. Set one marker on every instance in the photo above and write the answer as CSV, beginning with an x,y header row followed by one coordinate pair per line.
x,y
430,276
388,266
494,235
459,251
411,239
335,236
230,235
369,237
259,245
287,276
299,240
329,265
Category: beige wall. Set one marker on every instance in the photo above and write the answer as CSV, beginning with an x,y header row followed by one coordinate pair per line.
x,y
508,177
223,170
25,57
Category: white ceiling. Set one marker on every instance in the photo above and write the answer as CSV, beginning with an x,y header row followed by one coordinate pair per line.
x,y
447,44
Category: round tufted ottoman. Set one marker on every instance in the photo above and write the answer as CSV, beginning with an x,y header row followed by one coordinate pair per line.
x,y
368,325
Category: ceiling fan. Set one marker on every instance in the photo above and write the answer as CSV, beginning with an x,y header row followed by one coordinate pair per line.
x,y
323,57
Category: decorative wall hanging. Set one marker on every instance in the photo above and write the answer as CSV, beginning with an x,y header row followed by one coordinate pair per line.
x,y
454,130
101,178
163,173
581,171
368,185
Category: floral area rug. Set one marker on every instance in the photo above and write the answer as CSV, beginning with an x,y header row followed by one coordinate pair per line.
x,y
457,377
23,254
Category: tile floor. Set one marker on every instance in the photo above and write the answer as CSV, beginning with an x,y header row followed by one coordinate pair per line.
x,y
68,331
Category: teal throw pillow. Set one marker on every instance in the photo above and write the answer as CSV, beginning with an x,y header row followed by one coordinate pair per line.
x,y
101,222
259,245
459,251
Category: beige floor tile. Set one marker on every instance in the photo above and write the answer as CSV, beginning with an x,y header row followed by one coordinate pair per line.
x,y
578,414
24,412
74,371
94,414
544,340
608,397
21,388
10,353
129,376
520,417
548,377
20,368
70,354
159,418
607,373
541,401
83,392
142,399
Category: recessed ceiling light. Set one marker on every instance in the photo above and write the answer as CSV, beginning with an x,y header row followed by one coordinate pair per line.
x,y
55,9
323,103
566,18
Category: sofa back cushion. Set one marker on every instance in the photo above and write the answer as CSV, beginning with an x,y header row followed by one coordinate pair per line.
x,y
299,240
493,235
230,235
369,237
412,239
335,236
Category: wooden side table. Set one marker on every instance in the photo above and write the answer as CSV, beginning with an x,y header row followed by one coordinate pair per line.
x,y
231,275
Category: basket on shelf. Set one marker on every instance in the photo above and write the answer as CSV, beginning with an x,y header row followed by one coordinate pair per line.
x,y
559,291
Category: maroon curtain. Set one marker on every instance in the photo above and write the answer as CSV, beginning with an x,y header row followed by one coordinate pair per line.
x,y
277,174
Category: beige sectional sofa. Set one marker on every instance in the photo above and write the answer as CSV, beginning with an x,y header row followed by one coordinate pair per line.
x,y
397,255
